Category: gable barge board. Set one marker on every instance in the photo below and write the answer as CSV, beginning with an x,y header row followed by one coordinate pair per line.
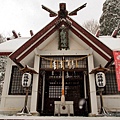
x,y
90,44
33,39
91,37
37,44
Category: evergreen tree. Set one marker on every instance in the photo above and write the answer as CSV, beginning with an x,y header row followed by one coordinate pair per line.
x,y
110,18
2,39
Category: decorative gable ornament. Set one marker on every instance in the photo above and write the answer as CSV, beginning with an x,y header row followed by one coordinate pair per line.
x,y
100,79
26,79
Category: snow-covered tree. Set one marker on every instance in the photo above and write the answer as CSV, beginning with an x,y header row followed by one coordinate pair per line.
x,y
3,62
91,25
2,39
110,18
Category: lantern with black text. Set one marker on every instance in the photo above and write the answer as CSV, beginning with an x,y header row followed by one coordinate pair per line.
x,y
26,79
100,79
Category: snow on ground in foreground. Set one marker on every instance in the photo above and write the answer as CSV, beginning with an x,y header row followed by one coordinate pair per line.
x,y
56,118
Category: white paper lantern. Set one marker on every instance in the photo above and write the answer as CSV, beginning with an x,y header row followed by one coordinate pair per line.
x,y
100,79
26,79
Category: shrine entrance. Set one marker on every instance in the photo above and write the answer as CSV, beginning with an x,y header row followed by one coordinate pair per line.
x,y
50,87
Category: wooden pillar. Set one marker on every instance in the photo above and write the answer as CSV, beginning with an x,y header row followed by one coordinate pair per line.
x,y
33,107
93,97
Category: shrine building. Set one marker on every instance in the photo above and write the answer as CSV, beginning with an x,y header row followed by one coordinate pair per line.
x,y
62,56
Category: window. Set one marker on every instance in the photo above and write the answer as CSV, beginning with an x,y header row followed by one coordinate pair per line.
x,y
16,82
111,83
55,91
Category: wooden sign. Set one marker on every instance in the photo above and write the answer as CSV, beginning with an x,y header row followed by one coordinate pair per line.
x,y
63,38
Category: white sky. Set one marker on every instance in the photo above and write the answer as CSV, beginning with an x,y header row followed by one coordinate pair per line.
x,y
25,15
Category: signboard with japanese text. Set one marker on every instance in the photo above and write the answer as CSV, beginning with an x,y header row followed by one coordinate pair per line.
x,y
117,67
100,79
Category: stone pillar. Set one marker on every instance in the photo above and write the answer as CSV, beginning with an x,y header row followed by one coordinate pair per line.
x,y
93,97
33,107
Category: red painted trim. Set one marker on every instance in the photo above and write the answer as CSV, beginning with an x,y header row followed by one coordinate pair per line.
x,y
90,44
92,38
37,44
5,53
33,39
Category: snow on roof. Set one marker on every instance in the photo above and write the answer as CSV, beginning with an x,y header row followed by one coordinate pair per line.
x,y
12,45
111,42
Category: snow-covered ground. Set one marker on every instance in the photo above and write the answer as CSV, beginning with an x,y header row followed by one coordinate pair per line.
x,y
57,118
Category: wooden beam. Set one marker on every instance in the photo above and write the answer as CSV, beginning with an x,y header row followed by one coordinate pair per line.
x,y
52,13
15,34
109,63
114,33
74,12
31,33
28,69
66,69
18,63
97,34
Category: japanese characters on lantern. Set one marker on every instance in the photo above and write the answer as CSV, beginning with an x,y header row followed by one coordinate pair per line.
x,y
26,79
100,79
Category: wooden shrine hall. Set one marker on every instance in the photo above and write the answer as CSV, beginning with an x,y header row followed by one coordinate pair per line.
x,y
61,56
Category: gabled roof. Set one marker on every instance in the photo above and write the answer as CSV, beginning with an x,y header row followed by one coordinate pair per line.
x,y
47,31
